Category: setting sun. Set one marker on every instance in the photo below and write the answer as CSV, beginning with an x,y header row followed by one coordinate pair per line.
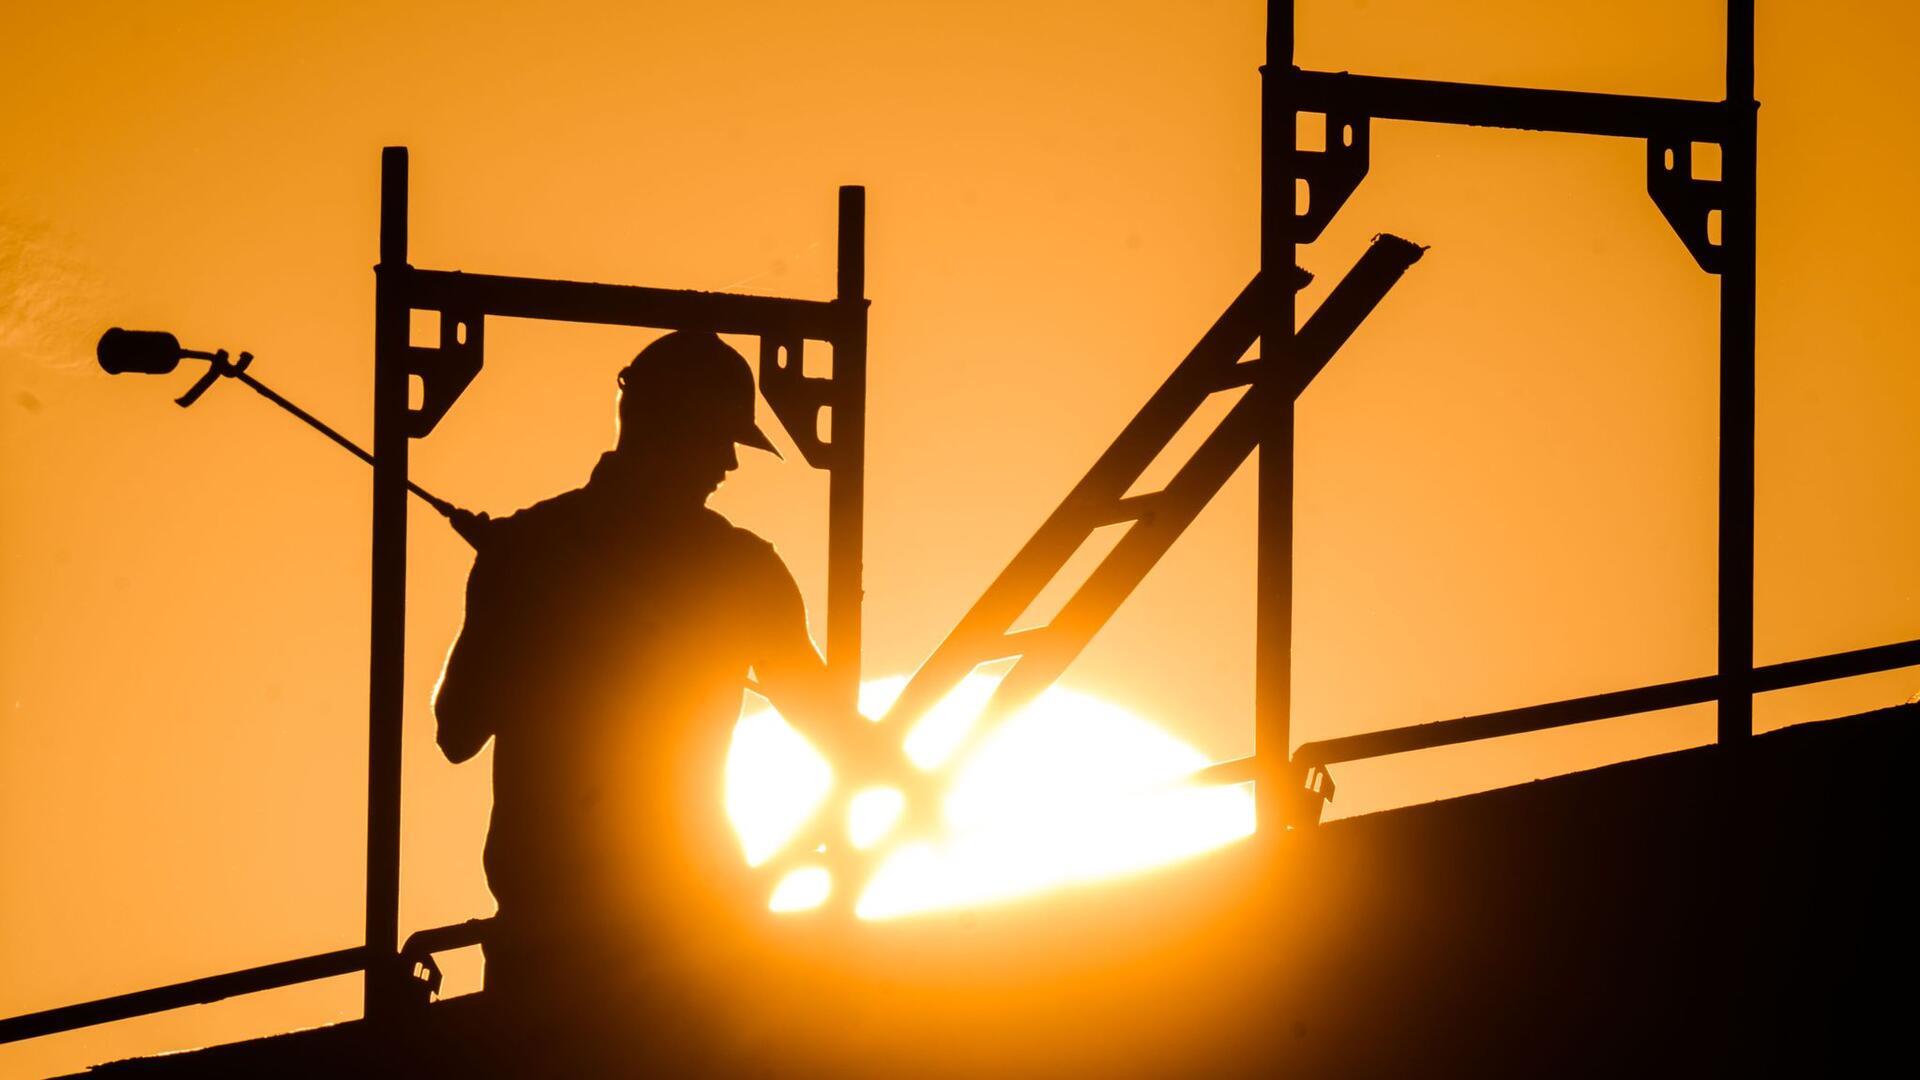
x,y
1070,789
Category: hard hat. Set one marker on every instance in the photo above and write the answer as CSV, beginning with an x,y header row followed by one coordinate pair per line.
x,y
692,377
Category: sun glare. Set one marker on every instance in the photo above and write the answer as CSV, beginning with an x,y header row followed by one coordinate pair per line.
x,y
1069,790
872,814
775,780
802,890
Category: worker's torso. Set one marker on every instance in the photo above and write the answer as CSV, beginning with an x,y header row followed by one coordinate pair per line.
x,y
608,795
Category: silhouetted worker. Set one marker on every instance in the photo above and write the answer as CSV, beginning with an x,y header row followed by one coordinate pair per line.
x,y
608,635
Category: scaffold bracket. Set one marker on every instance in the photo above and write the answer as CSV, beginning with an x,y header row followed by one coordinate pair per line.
x,y
1692,205
1332,173
796,398
444,370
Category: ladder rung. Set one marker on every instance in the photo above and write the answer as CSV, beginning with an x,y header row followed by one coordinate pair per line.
x,y
1130,508
1240,374
1015,643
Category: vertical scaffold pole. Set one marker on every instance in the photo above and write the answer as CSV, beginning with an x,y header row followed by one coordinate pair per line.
x,y
1273,619
387,677
846,492
1738,168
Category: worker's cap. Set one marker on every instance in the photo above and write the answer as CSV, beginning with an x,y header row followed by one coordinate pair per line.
x,y
691,377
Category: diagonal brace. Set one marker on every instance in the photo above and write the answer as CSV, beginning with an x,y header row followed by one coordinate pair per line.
x,y
1045,653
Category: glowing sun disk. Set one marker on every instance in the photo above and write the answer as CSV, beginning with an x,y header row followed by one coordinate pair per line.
x,y
1070,789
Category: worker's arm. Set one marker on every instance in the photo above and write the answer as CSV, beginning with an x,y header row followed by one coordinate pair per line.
x,y
478,683
794,678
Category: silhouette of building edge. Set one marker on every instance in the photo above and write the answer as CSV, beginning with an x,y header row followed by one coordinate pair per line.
x,y
1577,925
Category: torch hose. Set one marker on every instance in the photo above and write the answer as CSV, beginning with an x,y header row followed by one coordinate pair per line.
x,y
468,524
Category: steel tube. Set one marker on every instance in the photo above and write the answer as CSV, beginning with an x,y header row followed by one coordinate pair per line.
x,y
1524,108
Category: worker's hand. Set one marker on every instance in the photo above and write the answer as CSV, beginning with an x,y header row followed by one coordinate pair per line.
x,y
471,526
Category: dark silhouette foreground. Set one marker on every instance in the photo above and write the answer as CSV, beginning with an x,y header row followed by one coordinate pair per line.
x,y
1698,913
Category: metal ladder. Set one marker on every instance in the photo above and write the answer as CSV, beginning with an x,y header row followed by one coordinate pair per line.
x,y
1040,654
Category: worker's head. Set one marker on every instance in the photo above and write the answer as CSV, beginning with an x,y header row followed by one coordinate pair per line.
x,y
685,400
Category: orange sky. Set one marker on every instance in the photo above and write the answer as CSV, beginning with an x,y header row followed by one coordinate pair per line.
x,y
1505,481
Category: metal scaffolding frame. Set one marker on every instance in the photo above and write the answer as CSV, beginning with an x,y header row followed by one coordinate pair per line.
x,y
398,976
1265,312
1348,103
1669,127
463,302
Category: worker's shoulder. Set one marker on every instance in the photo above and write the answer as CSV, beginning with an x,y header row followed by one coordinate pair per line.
x,y
575,517
542,523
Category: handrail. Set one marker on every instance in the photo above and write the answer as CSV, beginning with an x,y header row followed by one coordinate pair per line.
x,y
419,949
179,995
1605,706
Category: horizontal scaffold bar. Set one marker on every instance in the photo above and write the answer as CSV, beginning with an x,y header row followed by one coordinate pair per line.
x,y
624,305
1480,105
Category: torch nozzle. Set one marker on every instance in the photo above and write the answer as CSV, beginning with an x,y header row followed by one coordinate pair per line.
x,y
143,352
